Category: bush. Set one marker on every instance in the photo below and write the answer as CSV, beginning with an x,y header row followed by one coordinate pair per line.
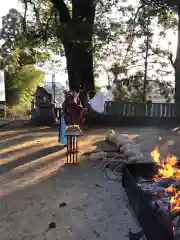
x,y
19,111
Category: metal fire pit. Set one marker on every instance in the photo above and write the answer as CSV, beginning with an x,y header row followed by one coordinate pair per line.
x,y
156,226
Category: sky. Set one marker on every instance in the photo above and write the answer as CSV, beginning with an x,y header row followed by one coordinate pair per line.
x,y
7,4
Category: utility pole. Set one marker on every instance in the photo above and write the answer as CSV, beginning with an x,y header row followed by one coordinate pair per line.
x,y
146,61
54,88
145,69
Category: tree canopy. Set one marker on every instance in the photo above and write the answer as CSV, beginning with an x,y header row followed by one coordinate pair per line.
x,y
95,42
18,59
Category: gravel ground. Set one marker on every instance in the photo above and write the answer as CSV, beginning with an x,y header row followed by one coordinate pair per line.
x,y
37,188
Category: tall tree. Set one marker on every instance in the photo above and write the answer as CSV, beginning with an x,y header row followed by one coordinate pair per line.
x,y
81,26
170,6
19,56
139,63
71,23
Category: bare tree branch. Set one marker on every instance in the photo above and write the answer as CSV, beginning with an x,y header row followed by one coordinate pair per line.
x,y
36,11
170,57
45,35
133,30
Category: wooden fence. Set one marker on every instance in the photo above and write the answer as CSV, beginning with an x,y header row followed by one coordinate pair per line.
x,y
126,109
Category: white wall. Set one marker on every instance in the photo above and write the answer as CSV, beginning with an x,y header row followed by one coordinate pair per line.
x,y
2,87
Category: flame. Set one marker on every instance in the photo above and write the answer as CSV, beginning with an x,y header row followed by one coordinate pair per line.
x,y
166,166
167,169
175,202
156,155
175,199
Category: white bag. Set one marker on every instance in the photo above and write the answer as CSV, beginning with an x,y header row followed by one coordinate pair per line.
x,y
109,132
131,150
123,141
125,135
144,146
131,160
112,138
125,147
136,158
96,150
97,156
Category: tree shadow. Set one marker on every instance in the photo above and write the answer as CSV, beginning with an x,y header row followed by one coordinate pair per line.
x,y
4,168
11,142
14,131
31,171
16,183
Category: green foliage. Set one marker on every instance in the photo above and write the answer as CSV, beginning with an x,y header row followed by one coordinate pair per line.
x,y
21,79
26,81
134,48
164,3
19,111
19,58
120,94
125,42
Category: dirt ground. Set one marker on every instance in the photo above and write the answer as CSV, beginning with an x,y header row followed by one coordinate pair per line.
x,y
35,181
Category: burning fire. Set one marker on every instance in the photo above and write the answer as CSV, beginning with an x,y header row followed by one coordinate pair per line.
x,y
175,199
167,169
166,166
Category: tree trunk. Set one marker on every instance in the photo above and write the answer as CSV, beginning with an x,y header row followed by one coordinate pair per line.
x,y
177,64
79,65
78,49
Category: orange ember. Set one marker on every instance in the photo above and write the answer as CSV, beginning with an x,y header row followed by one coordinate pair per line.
x,y
167,169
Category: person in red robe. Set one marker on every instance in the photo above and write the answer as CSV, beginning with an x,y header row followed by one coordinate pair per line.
x,y
73,110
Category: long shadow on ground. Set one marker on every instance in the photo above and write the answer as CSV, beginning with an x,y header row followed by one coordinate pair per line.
x,y
29,158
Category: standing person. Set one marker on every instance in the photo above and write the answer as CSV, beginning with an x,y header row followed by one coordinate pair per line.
x,y
73,114
63,125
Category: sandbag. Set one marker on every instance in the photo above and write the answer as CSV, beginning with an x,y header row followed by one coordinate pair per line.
x,y
96,150
125,147
112,138
97,156
136,158
124,135
118,139
109,132
123,141
132,160
144,146
132,150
